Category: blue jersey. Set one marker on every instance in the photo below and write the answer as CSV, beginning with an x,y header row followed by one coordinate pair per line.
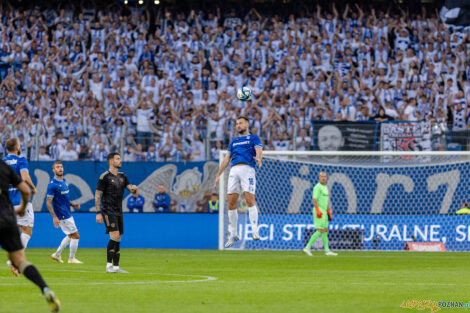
x,y
162,202
137,204
19,164
242,149
58,190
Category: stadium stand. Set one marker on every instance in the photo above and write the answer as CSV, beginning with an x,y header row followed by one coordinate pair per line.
x,y
160,85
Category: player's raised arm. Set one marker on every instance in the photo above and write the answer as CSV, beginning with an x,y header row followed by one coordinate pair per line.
x,y
222,167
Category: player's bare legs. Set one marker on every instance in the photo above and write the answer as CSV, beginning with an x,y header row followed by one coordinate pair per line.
x,y
18,258
74,238
252,213
232,199
71,239
26,233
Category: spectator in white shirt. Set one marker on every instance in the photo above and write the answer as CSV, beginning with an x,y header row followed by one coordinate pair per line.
x,y
69,154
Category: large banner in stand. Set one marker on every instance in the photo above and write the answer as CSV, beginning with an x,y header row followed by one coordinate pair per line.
x,y
345,136
406,136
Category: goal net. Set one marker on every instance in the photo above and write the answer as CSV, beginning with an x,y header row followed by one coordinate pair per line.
x,y
380,201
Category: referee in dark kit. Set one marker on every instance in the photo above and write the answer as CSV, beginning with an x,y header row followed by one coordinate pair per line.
x,y
10,236
109,192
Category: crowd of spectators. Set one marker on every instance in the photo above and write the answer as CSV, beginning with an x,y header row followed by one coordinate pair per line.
x,y
76,84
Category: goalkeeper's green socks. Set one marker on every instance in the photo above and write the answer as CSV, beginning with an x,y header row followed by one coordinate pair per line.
x,y
313,239
324,238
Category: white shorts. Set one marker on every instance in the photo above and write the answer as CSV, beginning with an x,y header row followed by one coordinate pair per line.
x,y
28,218
241,179
68,226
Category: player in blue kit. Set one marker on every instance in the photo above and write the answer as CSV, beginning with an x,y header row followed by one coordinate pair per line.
x,y
243,154
58,203
20,166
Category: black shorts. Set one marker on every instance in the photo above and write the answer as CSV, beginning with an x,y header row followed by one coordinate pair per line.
x,y
113,223
10,237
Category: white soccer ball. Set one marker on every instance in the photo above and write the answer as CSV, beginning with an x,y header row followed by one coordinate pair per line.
x,y
244,94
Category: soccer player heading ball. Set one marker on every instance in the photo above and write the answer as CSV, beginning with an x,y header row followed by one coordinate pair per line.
x,y
321,215
243,154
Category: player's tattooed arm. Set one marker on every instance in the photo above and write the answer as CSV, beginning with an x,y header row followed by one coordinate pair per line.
x,y
98,194
99,217
55,220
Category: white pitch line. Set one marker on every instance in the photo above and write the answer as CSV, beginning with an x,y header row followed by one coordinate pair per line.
x,y
141,282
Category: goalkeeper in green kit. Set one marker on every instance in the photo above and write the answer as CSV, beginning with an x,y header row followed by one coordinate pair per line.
x,y
321,215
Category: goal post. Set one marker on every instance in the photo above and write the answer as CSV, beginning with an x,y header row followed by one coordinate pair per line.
x,y
383,200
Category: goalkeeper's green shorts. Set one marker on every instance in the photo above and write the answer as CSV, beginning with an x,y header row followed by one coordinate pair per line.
x,y
320,223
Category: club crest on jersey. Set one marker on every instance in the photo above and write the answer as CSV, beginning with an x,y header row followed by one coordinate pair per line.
x,y
121,180
248,137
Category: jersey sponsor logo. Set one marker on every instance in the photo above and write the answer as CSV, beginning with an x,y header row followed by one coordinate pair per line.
x,y
11,162
241,143
64,192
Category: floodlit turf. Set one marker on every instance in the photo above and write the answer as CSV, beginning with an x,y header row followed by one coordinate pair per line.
x,y
240,281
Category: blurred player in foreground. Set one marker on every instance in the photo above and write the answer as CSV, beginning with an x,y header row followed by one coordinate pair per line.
x,y
58,203
10,236
321,215
20,166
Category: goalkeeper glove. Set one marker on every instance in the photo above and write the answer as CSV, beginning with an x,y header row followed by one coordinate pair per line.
x,y
317,209
330,216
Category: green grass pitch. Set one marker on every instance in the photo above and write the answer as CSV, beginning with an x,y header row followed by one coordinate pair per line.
x,y
240,281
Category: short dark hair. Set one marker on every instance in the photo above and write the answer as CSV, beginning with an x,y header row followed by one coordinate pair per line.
x,y
56,162
111,156
243,117
11,144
